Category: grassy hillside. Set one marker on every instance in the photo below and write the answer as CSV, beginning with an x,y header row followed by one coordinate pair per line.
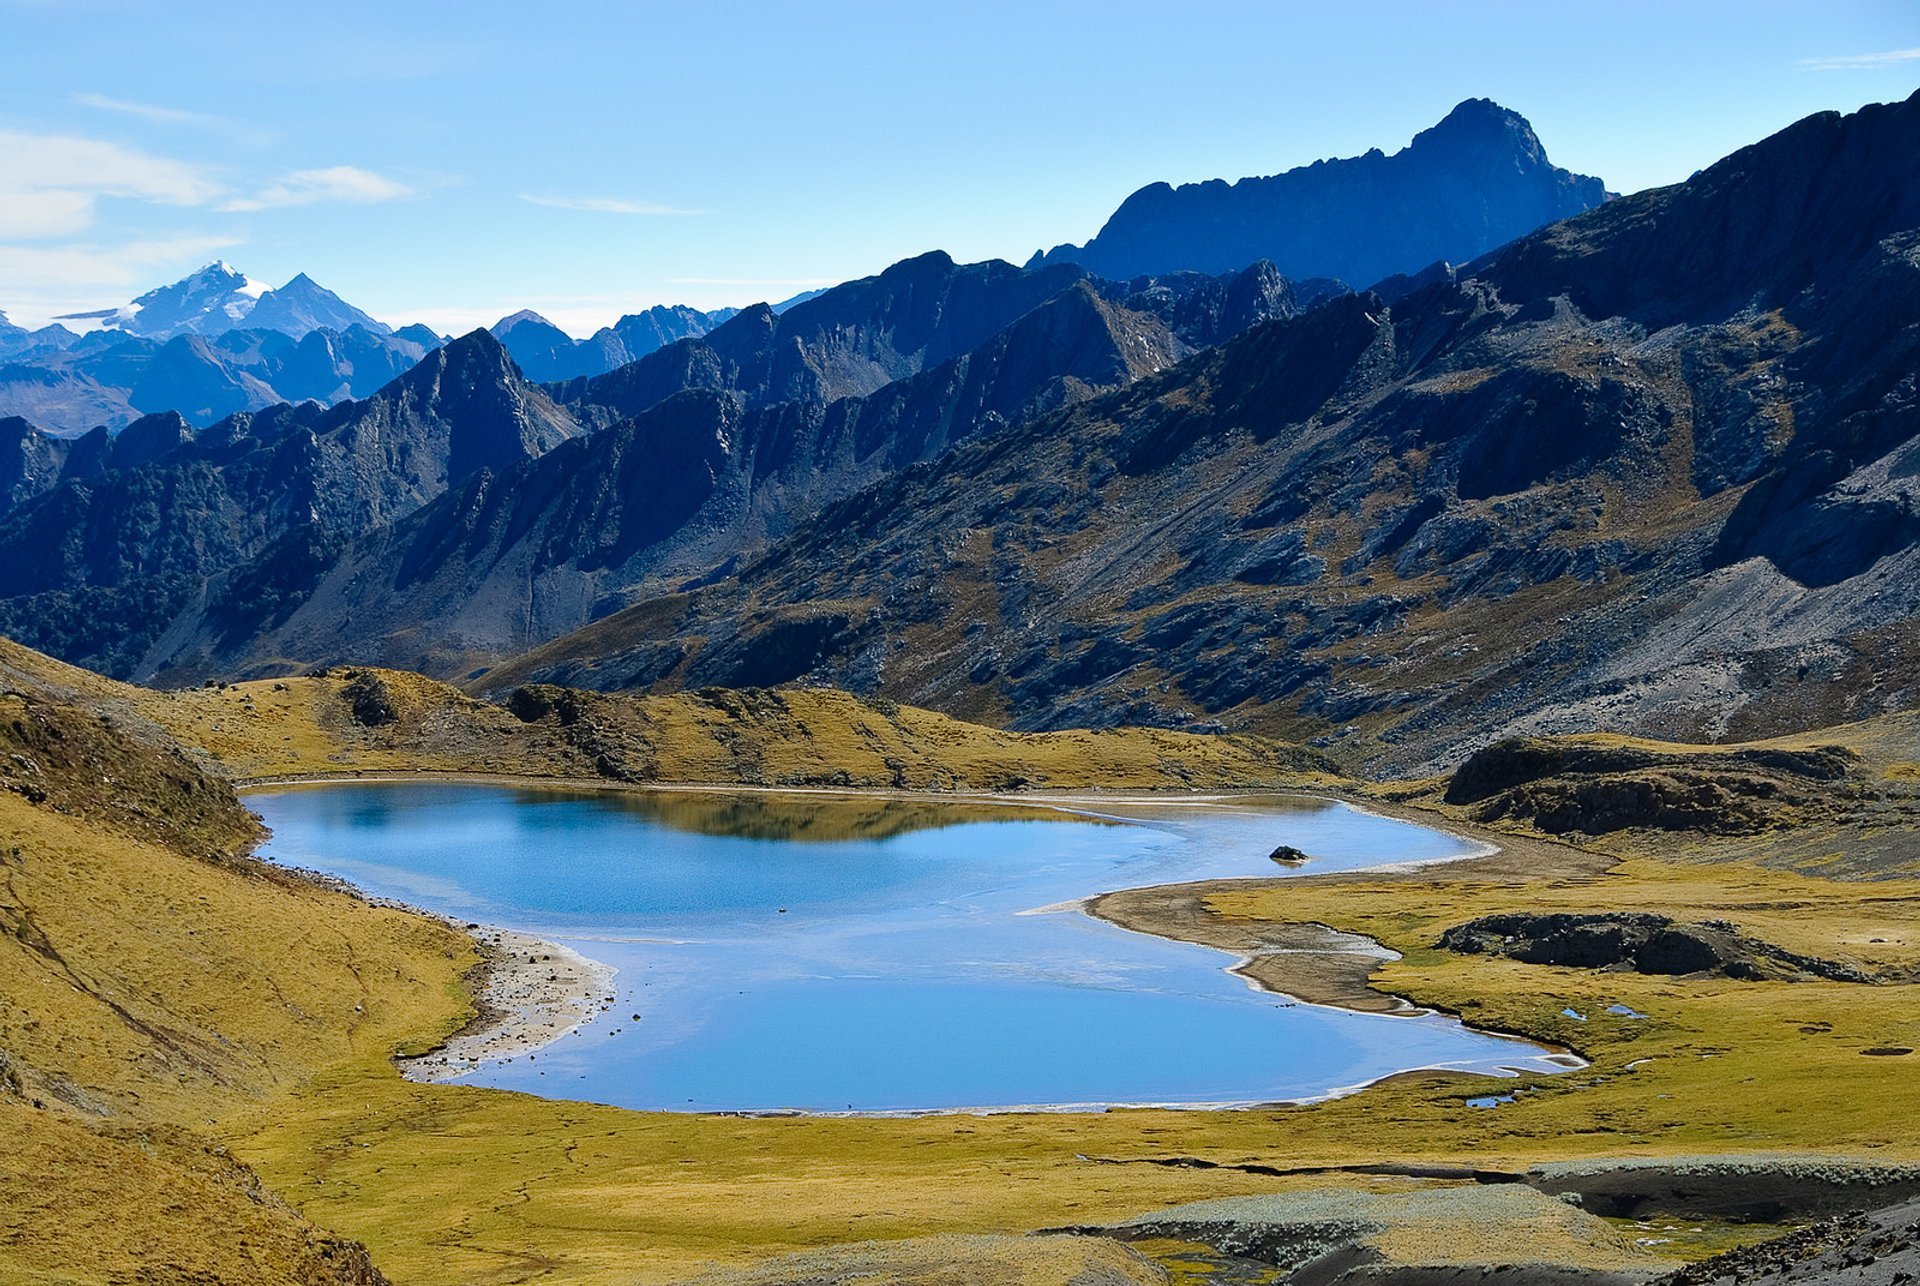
x,y
152,979
369,721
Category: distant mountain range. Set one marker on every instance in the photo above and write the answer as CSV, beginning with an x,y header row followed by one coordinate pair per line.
x,y
748,430
1642,468
217,341
545,352
219,298
1473,182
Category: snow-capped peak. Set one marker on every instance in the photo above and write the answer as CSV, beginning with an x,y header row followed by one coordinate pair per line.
x,y
219,297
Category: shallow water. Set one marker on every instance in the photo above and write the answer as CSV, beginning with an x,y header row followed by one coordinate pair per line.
x,y
828,953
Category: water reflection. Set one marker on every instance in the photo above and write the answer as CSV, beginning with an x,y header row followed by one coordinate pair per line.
x,y
806,817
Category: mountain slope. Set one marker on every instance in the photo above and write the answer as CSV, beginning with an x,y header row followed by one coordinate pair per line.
x,y
158,981
1643,470
1474,181
688,486
304,305
98,563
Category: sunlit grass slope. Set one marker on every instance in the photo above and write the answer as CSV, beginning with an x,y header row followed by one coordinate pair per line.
x,y
360,721
152,980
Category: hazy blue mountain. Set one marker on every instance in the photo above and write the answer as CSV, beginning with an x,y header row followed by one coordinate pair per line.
x,y
304,305
545,353
1473,182
217,297
19,342
111,378
800,298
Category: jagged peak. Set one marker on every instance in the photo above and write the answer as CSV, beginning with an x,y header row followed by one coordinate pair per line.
x,y
477,346
525,317
302,284
1481,124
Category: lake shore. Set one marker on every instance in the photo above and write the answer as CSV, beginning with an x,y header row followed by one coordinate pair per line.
x,y
527,994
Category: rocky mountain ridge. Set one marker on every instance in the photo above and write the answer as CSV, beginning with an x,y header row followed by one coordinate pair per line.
x,y
125,528
514,556
1641,470
1473,182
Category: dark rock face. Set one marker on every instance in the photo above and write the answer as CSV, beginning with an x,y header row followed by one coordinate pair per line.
x,y
368,700
1475,181
1600,789
30,461
103,556
1503,502
1640,942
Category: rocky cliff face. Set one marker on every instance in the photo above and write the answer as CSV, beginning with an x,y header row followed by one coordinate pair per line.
x,y
114,535
1475,181
1643,470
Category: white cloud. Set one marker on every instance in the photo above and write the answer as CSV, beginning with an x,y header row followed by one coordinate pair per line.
x,y
151,112
50,182
347,183
603,205
1862,62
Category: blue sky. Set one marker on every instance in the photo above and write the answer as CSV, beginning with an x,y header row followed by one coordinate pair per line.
x,y
450,163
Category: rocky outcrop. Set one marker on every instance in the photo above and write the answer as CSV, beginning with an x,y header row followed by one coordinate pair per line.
x,y
1594,789
1860,1248
1336,1237
1639,942
1474,181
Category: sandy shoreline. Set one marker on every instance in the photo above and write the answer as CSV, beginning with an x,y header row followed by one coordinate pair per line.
x,y
528,993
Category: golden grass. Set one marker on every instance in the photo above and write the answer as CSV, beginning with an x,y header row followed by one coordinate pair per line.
x,y
303,726
143,990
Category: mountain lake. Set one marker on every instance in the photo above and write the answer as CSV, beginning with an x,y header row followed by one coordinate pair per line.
x,y
850,953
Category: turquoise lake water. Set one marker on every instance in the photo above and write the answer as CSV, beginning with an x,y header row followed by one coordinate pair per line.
x,y
841,953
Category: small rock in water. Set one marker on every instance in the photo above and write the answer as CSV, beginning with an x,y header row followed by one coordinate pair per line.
x,y
1288,855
